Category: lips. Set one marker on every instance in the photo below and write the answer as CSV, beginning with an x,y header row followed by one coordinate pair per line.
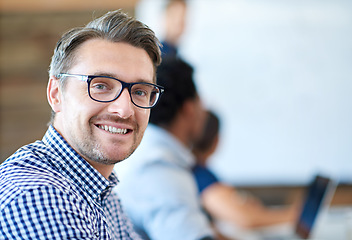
x,y
113,130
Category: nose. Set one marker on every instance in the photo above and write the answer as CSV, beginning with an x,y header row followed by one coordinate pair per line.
x,y
122,106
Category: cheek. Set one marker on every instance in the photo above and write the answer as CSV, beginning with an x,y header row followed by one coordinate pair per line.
x,y
142,116
78,108
200,121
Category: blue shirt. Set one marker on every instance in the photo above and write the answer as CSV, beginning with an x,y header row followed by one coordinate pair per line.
x,y
158,189
168,50
204,177
48,191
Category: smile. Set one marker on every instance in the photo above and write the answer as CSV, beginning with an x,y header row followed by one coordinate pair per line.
x,y
113,129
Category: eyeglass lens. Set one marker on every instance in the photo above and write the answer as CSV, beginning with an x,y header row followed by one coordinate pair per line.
x,y
107,89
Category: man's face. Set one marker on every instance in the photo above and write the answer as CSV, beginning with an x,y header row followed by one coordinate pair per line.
x,y
82,121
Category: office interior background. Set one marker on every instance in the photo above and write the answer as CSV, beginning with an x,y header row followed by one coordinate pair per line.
x,y
278,73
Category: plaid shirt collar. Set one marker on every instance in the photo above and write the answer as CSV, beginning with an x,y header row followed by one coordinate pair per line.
x,y
76,168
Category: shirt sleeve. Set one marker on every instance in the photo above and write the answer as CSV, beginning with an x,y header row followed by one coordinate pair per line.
x,y
46,213
203,177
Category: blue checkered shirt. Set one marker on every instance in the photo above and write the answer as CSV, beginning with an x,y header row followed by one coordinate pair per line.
x,y
48,191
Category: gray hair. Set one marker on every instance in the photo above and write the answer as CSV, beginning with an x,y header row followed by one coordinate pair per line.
x,y
114,26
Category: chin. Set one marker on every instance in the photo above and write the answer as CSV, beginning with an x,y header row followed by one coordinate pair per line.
x,y
120,157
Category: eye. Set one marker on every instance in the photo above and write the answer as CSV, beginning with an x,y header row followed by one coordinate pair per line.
x,y
140,92
100,86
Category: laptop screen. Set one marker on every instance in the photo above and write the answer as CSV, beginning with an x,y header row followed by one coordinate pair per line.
x,y
312,204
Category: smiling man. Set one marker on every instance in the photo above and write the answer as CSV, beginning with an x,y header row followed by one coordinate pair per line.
x,y
102,85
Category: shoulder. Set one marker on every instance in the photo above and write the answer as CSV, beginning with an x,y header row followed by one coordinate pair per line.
x,y
204,177
203,172
148,159
32,156
29,167
155,176
152,181
27,170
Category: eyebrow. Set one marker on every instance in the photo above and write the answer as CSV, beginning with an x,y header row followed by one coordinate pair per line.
x,y
105,74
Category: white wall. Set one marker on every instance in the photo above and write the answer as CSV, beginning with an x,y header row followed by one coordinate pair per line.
x,y
279,73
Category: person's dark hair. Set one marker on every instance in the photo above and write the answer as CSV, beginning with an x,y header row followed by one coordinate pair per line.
x,y
114,26
210,131
176,76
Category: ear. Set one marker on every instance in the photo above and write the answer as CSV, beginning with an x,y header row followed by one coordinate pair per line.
x,y
54,94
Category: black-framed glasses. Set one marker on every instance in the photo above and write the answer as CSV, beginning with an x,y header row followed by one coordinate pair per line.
x,y
108,89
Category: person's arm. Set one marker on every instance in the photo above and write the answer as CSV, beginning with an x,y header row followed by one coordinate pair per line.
x,y
225,203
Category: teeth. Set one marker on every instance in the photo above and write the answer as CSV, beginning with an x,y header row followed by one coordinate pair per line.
x,y
113,129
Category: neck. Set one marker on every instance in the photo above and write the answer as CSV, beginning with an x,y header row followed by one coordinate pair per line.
x,y
181,132
200,158
103,169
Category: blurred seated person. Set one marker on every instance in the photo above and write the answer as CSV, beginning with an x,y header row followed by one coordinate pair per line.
x,y
223,202
157,188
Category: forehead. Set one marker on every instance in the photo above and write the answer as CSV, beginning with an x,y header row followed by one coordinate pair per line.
x,y
118,59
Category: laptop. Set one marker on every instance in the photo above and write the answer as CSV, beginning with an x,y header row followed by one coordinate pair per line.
x,y
317,198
